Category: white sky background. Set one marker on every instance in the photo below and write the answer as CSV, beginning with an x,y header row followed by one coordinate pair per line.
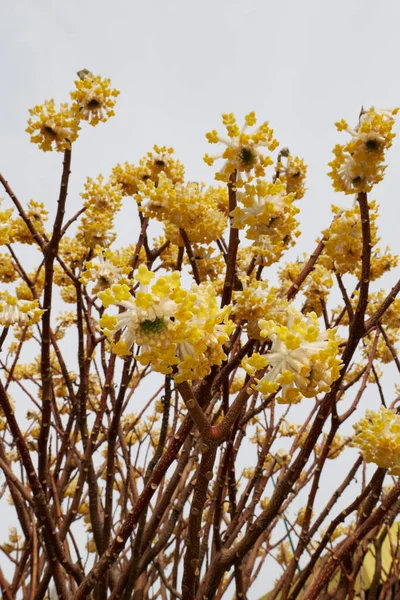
x,y
179,65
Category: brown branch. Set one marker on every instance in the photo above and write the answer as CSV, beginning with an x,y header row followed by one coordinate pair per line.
x,y
228,557
51,538
390,346
5,588
233,245
174,593
35,234
181,251
357,326
308,267
50,251
351,543
140,242
332,526
137,546
111,450
71,220
192,258
191,570
345,296
128,525
390,298
220,432
195,410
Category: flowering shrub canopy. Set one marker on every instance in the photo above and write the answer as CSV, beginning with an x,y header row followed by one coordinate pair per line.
x,y
154,373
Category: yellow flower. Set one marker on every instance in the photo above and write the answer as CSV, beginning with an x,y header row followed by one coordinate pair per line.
x,y
211,267
8,272
287,428
127,176
72,251
382,263
96,230
268,215
104,272
24,292
191,207
292,172
5,222
173,327
101,196
243,149
93,99
303,361
378,438
37,215
359,164
316,289
51,128
257,299
161,161
102,201
238,382
284,553
343,239
382,353
18,312
301,516
391,317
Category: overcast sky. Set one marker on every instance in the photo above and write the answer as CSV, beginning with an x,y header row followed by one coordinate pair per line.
x,y
180,64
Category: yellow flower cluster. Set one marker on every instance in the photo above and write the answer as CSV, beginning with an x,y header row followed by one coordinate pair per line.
x,y
64,320
53,128
359,164
23,290
243,149
343,245
257,299
292,172
5,219
101,196
8,272
159,161
382,353
382,263
72,251
336,447
284,554
37,214
190,207
93,99
301,515
104,272
316,289
25,371
237,383
211,267
288,429
102,201
177,330
18,312
127,176
391,317
377,435
268,214
302,361
68,289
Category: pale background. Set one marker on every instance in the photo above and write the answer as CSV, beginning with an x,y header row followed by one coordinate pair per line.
x,y
179,64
